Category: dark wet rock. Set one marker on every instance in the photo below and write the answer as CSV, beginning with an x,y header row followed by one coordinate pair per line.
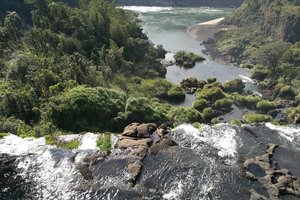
x,y
165,143
126,143
190,85
276,181
256,196
85,171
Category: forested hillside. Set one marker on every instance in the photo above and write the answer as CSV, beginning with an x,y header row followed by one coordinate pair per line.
x,y
267,37
186,3
78,68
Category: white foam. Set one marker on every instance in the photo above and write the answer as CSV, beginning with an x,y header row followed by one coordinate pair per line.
x,y
88,141
292,134
246,79
14,145
222,137
145,9
175,192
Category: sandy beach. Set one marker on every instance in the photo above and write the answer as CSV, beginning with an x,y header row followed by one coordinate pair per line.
x,y
206,30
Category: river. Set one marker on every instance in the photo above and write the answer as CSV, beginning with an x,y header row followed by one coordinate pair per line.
x,y
168,26
206,164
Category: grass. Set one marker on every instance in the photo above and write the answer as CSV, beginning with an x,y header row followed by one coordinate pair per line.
x,y
103,142
3,135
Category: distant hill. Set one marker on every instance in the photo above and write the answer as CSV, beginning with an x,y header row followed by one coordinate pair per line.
x,y
185,3
277,18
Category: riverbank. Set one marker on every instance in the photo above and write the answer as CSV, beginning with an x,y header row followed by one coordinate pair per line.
x,y
207,30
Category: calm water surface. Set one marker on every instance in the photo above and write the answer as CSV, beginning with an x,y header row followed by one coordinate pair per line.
x,y
168,27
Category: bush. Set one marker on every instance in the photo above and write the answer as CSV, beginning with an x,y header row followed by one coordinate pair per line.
x,y
208,114
257,118
200,104
235,122
14,126
247,65
265,106
223,104
260,73
236,85
246,101
293,114
215,121
210,94
140,110
87,109
176,94
73,144
187,59
3,135
287,92
103,142
211,80
184,115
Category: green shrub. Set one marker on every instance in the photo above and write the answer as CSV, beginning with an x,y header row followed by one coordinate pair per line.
x,y
103,141
87,109
208,114
247,65
260,73
292,113
14,126
287,92
215,121
265,106
235,122
257,118
187,59
200,104
184,115
176,94
3,135
211,80
236,85
223,104
210,94
73,144
246,101
140,110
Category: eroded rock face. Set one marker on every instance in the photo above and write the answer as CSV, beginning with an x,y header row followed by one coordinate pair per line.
x,y
138,139
276,181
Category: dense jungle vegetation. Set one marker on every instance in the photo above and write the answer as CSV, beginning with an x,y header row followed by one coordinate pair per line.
x,y
89,67
267,38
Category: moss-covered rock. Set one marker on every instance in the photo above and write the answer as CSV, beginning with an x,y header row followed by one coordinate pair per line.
x,y
187,59
235,85
223,104
246,101
200,104
265,106
176,94
208,114
257,118
184,115
190,85
211,80
211,94
235,122
215,121
287,92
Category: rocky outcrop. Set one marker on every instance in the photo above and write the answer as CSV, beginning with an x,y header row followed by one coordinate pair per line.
x,y
138,139
276,181
190,85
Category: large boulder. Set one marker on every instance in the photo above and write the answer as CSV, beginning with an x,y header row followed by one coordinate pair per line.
x,y
139,130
